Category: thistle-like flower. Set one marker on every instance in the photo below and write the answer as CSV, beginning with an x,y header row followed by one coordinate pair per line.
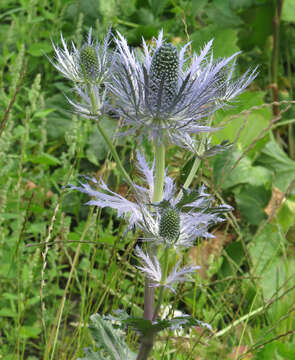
x,y
173,222
90,64
89,68
167,95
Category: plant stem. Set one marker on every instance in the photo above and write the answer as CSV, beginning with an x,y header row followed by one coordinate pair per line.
x,y
275,54
162,288
157,196
147,343
195,166
115,155
95,108
159,172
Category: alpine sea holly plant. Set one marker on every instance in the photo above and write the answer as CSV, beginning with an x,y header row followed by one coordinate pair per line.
x,y
168,96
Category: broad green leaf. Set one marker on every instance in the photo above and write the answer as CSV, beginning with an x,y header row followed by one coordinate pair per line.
x,y
245,128
230,169
268,264
225,40
222,11
259,26
251,202
286,214
232,262
288,12
283,168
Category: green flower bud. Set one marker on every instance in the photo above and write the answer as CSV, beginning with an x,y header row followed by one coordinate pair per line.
x,y
169,224
89,62
164,70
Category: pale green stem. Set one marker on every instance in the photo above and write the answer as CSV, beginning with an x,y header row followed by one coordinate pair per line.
x,y
238,321
196,164
159,172
147,342
163,280
95,108
157,196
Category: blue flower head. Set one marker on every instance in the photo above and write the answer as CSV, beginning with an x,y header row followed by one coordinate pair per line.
x,y
168,95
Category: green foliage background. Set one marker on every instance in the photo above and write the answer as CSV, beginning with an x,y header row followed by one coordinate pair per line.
x,y
61,261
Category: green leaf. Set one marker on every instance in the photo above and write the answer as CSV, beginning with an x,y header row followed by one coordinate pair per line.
x,y
244,127
251,202
286,214
30,331
147,328
288,12
8,312
225,40
222,11
198,6
230,169
276,350
268,264
43,113
43,158
234,259
275,159
110,339
38,49
158,6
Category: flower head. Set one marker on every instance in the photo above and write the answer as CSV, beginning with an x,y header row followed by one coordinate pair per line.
x,y
173,222
165,94
91,64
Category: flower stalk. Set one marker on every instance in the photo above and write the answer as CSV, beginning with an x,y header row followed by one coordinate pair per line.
x,y
95,108
157,197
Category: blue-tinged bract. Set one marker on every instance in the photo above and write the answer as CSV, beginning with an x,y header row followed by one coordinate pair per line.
x,y
165,94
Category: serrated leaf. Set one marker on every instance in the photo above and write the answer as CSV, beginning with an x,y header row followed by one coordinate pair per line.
x,y
109,338
148,328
